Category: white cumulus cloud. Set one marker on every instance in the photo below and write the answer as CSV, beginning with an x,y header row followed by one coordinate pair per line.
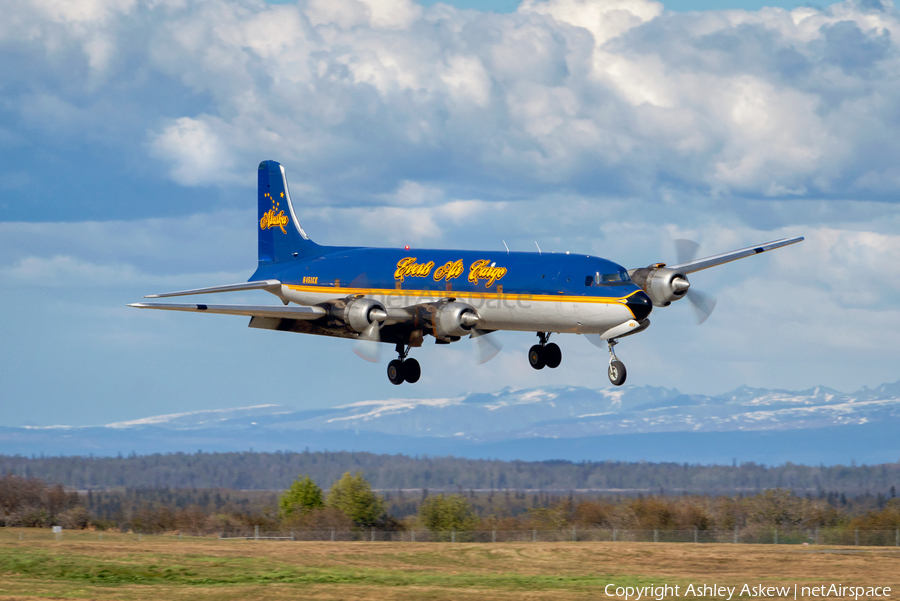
x,y
602,97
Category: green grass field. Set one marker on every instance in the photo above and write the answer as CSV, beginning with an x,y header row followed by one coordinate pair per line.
x,y
123,567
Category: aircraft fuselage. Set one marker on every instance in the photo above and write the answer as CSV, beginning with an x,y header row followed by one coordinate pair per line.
x,y
510,291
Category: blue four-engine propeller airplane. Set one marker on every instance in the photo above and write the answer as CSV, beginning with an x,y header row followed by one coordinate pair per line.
x,y
398,296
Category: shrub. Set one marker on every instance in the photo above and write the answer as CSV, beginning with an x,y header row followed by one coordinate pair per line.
x,y
303,496
353,495
444,513
30,516
76,518
319,518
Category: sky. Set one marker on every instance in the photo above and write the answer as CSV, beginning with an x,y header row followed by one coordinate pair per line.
x,y
130,133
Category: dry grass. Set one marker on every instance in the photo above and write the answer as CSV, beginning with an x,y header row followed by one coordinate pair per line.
x,y
120,567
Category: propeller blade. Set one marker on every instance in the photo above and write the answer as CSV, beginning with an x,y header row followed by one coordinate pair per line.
x,y
685,250
368,345
596,340
486,346
703,304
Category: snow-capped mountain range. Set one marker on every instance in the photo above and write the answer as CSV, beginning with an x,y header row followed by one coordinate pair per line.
x,y
561,412
493,422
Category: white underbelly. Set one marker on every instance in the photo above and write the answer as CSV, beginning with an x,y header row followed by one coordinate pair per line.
x,y
555,316
508,313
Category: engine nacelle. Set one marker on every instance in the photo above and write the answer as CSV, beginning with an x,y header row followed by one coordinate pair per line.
x,y
453,320
662,285
360,313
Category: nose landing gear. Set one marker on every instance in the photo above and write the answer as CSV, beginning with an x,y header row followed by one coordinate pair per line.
x,y
543,354
616,369
402,369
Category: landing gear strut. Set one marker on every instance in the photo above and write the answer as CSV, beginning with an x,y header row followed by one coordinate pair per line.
x,y
616,370
402,369
543,354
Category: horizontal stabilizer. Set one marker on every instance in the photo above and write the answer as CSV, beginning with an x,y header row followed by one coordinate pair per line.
x,y
706,263
248,310
273,286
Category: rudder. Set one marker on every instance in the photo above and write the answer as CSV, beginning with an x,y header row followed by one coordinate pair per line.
x,y
281,238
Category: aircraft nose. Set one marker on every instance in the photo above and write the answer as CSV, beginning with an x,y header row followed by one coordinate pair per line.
x,y
640,305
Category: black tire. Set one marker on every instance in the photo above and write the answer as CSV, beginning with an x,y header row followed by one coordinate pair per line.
x,y
617,373
395,372
412,371
536,357
552,355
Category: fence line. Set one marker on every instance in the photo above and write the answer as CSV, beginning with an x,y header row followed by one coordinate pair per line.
x,y
779,536
776,536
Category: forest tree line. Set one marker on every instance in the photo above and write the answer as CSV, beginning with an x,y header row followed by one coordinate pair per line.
x,y
276,471
350,502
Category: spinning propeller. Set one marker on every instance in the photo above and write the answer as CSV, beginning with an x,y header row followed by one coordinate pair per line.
x,y
486,345
368,345
702,304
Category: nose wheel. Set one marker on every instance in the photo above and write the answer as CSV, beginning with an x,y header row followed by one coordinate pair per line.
x,y
616,371
544,355
402,370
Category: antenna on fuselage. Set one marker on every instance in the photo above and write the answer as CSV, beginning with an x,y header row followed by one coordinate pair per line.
x,y
539,248
507,248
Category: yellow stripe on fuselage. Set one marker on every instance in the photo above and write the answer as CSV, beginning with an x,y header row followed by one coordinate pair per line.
x,y
460,294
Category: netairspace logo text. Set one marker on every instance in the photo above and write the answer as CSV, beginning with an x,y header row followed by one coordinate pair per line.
x,y
759,591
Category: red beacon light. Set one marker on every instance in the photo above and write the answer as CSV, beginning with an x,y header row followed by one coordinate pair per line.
x,y
406,247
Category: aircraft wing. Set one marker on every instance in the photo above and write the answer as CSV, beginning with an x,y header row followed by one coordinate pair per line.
x,y
275,285
706,263
301,312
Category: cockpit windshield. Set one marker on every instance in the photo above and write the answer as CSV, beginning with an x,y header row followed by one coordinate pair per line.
x,y
608,279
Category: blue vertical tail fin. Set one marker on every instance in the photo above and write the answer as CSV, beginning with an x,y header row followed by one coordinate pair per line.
x,y
281,238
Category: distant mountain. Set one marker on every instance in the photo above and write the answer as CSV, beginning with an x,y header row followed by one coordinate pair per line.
x,y
630,423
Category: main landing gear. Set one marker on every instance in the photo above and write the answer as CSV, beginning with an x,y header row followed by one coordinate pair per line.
x,y
543,354
616,370
402,369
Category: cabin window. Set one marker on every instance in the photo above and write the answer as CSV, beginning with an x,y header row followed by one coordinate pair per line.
x,y
588,281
